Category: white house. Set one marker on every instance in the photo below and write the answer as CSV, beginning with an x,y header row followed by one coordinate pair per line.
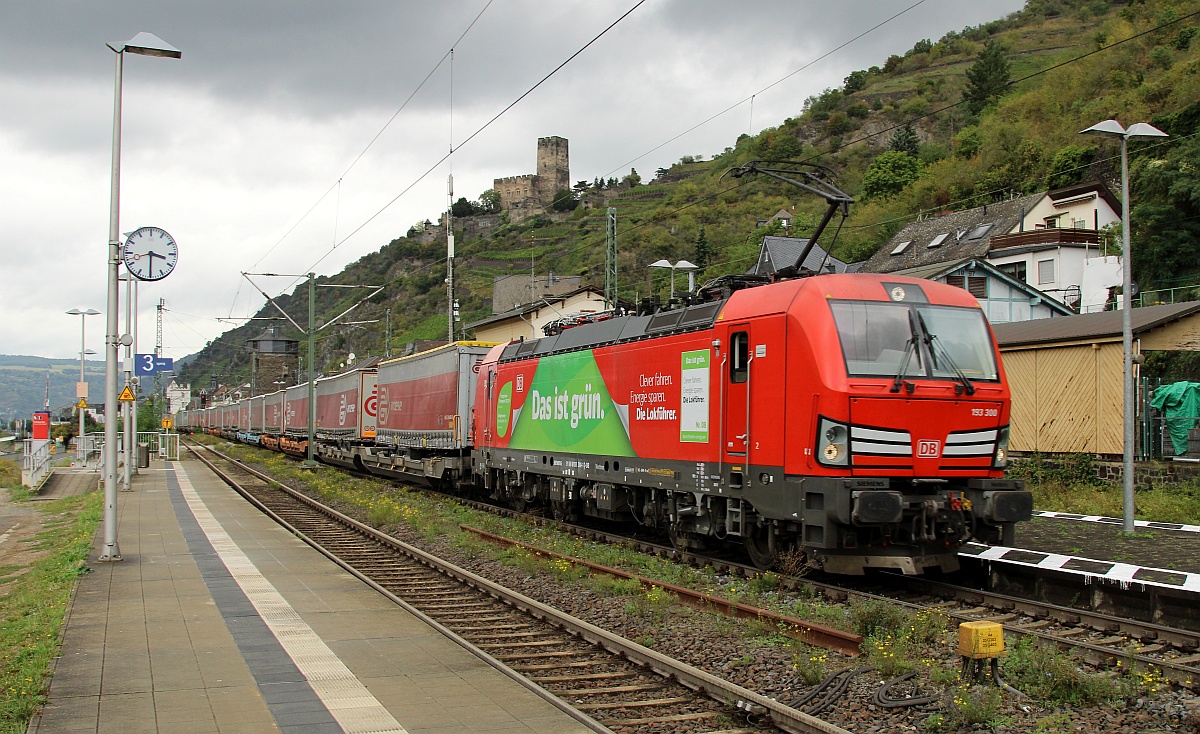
x,y
526,321
1059,249
1050,241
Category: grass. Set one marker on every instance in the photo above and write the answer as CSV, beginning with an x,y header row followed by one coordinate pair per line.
x,y
10,474
1069,484
32,608
384,505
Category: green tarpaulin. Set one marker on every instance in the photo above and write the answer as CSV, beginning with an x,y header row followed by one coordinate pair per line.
x,y
1180,405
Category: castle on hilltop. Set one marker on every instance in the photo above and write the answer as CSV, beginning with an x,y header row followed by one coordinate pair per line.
x,y
536,190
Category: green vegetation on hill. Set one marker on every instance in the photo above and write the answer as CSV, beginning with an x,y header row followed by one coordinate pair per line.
x,y
980,114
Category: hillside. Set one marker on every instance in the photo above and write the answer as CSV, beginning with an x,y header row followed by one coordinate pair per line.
x,y
899,136
23,384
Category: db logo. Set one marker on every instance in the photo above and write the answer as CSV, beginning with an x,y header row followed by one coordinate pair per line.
x,y
928,449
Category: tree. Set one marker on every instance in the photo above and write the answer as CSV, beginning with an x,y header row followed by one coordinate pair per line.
x,y
564,201
489,201
854,82
905,140
889,174
704,251
581,187
1069,165
463,208
987,78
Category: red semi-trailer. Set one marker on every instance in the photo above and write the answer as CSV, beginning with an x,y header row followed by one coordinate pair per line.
x,y
425,402
345,415
859,419
294,440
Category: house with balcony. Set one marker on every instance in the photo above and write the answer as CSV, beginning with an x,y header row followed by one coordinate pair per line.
x,y
1049,243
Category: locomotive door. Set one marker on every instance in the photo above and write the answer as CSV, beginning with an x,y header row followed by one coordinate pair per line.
x,y
736,405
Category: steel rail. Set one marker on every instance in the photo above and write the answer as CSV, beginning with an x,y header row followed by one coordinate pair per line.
x,y
733,695
847,643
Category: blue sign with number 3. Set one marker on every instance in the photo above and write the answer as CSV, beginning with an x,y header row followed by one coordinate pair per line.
x,y
148,364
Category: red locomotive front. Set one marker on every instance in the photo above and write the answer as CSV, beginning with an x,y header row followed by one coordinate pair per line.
x,y
858,419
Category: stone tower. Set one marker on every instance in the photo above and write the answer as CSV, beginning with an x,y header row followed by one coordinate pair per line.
x,y
537,190
553,167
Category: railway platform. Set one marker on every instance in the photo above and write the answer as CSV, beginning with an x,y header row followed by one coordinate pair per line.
x,y
219,620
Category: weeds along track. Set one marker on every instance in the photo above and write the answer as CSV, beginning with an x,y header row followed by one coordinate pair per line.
x,y
1100,639
602,680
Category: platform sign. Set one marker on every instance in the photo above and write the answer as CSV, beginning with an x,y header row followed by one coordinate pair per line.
x,y
149,364
41,426
81,389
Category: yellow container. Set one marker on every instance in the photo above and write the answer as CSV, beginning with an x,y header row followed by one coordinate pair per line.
x,y
978,640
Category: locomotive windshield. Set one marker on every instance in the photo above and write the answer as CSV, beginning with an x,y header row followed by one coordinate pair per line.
x,y
892,340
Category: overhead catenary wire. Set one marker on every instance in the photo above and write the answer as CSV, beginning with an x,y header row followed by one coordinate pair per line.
x,y
770,86
474,134
848,143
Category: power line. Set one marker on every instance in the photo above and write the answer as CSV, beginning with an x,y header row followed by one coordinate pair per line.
x,y
775,83
336,184
472,136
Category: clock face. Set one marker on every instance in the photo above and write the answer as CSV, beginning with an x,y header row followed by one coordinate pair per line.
x,y
150,253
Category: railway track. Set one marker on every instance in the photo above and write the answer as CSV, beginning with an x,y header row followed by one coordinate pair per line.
x,y
604,681
1099,638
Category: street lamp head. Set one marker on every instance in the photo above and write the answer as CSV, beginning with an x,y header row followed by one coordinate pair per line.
x,y
89,312
1113,129
148,44
661,264
685,265
1144,130
1108,128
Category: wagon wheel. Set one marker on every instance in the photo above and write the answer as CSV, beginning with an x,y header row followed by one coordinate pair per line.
x,y
758,549
518,502
562,511
685,541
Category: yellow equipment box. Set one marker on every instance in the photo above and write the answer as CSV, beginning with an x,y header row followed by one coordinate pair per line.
x,y
978,640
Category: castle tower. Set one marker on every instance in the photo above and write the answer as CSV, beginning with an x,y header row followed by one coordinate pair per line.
x,y
553,167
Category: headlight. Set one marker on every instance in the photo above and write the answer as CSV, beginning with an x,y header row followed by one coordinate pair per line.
x,y
833,443
1001,460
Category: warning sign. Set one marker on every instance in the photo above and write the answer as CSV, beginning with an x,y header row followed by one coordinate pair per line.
x,y
126,395
82,405
167,422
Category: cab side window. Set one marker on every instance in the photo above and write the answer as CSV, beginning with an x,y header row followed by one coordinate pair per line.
x,y
739,357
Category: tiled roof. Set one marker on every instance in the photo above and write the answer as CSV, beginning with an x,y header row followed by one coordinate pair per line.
x,y
782,252
954,230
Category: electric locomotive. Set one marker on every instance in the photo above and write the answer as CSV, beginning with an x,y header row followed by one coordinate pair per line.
x,y
860,421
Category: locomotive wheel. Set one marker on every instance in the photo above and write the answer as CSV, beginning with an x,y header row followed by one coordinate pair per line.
x,y
758,549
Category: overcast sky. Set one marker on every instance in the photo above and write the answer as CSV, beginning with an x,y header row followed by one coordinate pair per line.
x,y
238,148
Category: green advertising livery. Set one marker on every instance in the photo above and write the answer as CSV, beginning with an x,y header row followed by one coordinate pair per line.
x,y
567,408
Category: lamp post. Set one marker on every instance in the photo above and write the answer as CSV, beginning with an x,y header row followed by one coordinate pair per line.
x,y
1113,129
681,265
143,44
81,388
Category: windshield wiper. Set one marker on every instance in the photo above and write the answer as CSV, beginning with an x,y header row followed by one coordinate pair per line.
x,y
934,345
909,348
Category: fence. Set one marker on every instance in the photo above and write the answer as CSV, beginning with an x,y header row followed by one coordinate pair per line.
x,y
165,445
35,462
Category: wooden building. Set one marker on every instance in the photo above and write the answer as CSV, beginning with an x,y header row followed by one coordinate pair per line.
x,y
1066,374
